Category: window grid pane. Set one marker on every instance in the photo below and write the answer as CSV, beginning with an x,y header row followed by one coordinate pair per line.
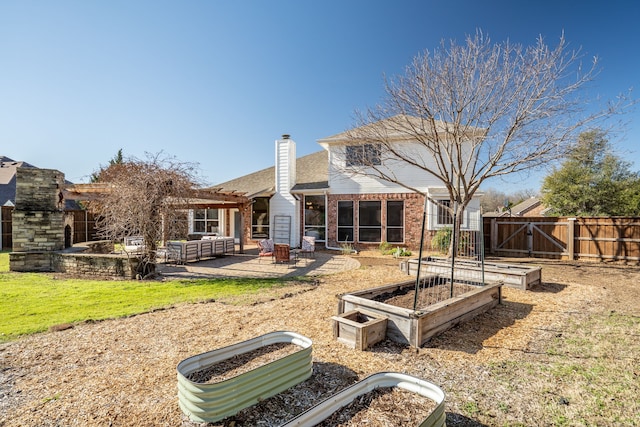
x,y
260,218
345,221
444,216
395,221
369,221
314,217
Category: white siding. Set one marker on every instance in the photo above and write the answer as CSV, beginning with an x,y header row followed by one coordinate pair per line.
x,y
341,181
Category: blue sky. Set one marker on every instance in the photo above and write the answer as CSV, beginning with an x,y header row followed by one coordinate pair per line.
x,y
217,83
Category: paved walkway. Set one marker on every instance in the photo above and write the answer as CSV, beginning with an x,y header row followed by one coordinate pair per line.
x,y
249,265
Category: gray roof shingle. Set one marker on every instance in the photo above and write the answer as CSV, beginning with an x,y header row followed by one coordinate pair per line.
x,y
312,173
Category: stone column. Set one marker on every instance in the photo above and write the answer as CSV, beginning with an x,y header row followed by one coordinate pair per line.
x,y
38,218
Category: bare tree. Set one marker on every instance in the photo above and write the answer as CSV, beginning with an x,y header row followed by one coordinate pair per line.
x,y
144,198
479,110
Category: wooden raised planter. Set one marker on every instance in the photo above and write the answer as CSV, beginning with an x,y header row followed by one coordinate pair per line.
x,y
359,329
210,402
326,408
512,275
415,328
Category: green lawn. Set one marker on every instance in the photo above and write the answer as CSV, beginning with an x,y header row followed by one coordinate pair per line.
x,y
33,302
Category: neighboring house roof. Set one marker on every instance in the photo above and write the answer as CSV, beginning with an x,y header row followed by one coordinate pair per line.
x,y
8,179
311,174
525,206
8,169
529,207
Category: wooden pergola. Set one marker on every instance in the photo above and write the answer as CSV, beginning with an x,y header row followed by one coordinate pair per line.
x,y
197,198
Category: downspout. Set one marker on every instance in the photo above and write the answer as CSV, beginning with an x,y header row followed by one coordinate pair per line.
x,y
326,241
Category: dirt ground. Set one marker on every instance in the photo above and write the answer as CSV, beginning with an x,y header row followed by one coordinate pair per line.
x,y
537,359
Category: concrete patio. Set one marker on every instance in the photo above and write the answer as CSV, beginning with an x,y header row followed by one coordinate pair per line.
x,y
249,264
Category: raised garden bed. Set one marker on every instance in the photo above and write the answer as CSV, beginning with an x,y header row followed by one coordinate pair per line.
x,y
512,275
432,403
359,329
404,325
209,393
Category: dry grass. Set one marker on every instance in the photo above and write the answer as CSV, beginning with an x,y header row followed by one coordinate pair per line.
x,y
565,353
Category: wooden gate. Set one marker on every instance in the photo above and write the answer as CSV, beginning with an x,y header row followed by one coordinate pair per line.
x,y
535,238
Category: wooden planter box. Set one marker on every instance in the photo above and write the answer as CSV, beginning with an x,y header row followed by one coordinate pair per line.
x,y
328,407
512,275
210,402
415,328
359,329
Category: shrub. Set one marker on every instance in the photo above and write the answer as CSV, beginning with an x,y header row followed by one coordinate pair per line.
x,y
442,240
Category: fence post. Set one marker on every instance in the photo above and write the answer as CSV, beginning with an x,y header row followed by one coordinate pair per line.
x,y
494,236
530,238
571,238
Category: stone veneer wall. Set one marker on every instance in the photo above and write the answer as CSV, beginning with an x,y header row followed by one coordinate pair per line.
x,y
78,264
38,217
95,265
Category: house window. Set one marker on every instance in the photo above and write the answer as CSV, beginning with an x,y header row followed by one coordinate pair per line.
x,y
314,217
395,221
369,223
444,217
345,221
363,155
206,221
260,218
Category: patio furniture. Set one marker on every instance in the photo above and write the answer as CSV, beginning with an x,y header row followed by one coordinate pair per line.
x,y
284,255
266,249
308,246
196,250
133,244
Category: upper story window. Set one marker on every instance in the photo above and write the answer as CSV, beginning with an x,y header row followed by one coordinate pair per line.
x,y
444,215
363,155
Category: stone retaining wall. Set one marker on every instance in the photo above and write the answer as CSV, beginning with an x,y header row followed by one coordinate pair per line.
x,y
104,266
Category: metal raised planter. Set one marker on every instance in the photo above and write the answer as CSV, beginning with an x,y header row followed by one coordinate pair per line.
x,y
326,408
209,402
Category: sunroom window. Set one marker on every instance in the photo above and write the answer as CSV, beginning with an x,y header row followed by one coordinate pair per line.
x,y
260,218
395,221
314,217
345,221
370,225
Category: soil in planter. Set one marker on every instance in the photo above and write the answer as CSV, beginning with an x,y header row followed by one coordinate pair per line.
x,y
382,407
404,297
242,363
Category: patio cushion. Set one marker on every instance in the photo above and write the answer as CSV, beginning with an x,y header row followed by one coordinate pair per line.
x,y
266,246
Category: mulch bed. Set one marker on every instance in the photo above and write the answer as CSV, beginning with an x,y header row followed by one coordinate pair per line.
x,y
122,372
241,363
383,407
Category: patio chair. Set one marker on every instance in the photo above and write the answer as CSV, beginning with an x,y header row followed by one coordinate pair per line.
x,y
266,249
308,247
284,255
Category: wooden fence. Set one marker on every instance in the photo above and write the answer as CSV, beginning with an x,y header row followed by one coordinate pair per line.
x,y
595,238
84,229
6,238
